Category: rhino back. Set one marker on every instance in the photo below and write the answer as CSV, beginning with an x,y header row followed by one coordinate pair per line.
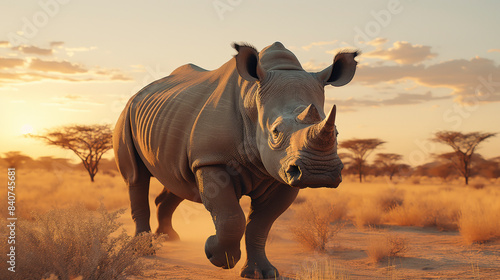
x,y
187,120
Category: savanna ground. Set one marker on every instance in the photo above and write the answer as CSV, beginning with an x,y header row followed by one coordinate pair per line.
x,y
413,228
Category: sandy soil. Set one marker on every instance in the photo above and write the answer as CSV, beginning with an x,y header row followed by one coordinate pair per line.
x,y
432,254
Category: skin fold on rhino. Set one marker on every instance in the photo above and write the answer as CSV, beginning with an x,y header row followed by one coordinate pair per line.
x,y
255,126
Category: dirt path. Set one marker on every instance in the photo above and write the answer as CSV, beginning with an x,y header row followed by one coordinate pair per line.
x,y
432,255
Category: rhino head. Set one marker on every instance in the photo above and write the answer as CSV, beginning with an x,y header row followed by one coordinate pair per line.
x,y
296,141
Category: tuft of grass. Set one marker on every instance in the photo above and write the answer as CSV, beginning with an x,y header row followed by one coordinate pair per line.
x,y
386,247
479,223
315,225
78,243
389,199
321,270
478,186
425,211
367,214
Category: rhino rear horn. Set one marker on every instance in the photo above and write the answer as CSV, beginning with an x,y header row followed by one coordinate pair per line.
x,y
310,115
248,64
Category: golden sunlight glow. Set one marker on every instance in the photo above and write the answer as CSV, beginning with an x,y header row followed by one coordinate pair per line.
x,y
26,129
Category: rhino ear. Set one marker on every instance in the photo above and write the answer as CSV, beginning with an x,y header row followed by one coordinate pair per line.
x,y
247,63
342,70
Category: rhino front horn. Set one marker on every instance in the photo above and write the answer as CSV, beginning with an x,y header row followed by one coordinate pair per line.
x,y
321,136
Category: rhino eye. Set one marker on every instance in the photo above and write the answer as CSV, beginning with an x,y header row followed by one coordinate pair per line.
x,y
276,138
276,133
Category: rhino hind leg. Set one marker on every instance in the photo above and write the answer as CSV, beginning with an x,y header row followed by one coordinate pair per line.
x,y
134,172
139,201
166,203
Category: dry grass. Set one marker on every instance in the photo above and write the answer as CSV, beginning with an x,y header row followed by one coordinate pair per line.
x,y
43,191
475,212
385,247
480,223
367,213
370,210
321,270
315,225
389,198
75,242
426,209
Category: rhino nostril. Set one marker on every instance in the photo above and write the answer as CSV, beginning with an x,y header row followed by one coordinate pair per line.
x,y
293,171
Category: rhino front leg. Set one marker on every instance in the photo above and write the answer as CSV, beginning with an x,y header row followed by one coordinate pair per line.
x,y
219,197
264,211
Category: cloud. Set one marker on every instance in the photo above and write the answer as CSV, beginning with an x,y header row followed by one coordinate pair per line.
x,y
71,99
468,79
494,50
377,41
113,74
4,44
318,44
72,51
403,53
72,103
56,44
33,50
312,66
65,67
399,99
6,63
121,77
25,68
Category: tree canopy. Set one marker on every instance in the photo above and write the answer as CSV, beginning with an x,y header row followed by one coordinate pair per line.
x,y
464,146
360,150
88,142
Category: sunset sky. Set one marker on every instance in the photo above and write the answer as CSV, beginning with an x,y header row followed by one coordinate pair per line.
x,y
425,65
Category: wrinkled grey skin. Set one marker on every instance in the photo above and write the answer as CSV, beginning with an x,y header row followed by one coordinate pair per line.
x,y
254,127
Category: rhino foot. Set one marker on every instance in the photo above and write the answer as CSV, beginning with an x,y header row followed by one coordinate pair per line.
x,y
256,271
168,235
222,256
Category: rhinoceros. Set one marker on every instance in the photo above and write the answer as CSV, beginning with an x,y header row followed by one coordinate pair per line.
x,y
255,126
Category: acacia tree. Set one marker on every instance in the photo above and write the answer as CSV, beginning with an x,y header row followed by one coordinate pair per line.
x,y
464,145
360,149
88,142
390,163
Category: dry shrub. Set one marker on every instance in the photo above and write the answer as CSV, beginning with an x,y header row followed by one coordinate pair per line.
x,y
389,199
415,181
479,223
367,214
315,225
478,186
386,247
425,210
321,270
75,242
